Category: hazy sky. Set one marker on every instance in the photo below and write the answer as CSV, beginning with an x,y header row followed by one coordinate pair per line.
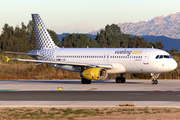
x,y
82,16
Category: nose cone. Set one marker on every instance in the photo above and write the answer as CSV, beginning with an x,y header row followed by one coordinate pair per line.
x,y
173,65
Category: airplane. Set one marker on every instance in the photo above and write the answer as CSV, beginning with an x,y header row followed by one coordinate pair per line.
x,y
97,63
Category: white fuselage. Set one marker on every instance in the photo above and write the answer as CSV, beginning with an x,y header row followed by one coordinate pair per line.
x,y
123,60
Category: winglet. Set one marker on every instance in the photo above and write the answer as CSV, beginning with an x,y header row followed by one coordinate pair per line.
x,y
7,58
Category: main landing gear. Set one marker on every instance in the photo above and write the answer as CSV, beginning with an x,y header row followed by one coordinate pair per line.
x,y
85,81
120,80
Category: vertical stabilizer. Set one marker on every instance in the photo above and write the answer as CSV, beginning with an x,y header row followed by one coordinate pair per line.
x,y
43,39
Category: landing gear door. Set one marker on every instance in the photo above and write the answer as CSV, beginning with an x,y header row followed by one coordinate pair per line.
x,y
146,58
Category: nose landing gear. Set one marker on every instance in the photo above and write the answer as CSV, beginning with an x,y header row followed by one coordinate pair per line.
x,y
154,76
154,81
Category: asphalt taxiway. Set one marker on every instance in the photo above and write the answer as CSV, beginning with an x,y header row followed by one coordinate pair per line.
x,y
75,85
106,92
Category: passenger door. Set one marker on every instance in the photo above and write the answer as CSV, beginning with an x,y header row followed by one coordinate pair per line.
x,y
146,58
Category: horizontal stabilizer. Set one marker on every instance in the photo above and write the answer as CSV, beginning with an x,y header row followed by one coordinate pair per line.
x,y
19,53
7,58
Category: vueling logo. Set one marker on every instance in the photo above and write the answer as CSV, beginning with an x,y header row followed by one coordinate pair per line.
x,y
136,52
128,52
123,52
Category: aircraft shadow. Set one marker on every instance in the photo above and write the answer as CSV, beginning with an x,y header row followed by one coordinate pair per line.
x,y
74,82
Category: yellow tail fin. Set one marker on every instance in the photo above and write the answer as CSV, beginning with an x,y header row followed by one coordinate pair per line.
x,y
7,58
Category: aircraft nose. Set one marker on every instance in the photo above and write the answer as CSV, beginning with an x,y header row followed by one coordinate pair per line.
x,y
173,65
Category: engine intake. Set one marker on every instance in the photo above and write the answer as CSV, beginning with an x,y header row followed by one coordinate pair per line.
x,y
94,74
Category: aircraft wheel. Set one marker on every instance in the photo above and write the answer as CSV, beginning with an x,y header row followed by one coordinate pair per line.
x,y
85,81
153,81
88,81
120,80
123,79
82,81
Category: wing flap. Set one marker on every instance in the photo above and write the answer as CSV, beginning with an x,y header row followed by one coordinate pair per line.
x,y
108,66
51,62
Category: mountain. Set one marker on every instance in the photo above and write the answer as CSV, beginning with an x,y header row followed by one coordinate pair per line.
x,y
168,26
168,43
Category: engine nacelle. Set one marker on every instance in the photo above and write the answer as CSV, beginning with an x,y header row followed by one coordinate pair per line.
x,y
94,74
143,76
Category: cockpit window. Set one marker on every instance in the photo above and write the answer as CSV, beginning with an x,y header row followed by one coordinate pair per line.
x,y
166,56
157,56
163,56
160,57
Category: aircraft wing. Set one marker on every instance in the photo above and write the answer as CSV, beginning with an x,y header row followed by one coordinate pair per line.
x,y
63,63
20,53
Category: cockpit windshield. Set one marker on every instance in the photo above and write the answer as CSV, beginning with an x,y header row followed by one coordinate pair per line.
x,y
163,56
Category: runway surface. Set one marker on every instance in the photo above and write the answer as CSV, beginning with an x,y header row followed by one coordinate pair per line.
x,y
99,93
89,96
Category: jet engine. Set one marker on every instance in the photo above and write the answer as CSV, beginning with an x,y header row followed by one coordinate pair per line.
x,y
94,73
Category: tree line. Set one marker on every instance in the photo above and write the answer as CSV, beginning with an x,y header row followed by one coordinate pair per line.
x,y
20,39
